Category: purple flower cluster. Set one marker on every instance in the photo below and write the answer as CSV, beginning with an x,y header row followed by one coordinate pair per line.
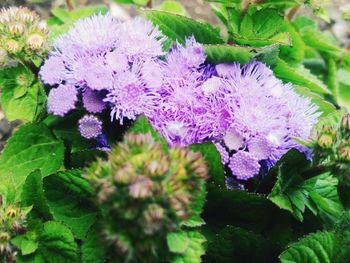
x,y
250,115
106,63
187,111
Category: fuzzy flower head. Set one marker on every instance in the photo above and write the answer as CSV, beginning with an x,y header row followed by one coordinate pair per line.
x,y
187,112
111,63
22,33
151,192
267,118
90,127
62,99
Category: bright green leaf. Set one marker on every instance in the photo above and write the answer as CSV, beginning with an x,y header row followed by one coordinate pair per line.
x,y
178,242
32,147
179,27
68,196
228,54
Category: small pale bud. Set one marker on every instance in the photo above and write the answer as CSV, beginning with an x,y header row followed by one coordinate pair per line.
x,y
35,41
345,122
344,152
12,46
142,188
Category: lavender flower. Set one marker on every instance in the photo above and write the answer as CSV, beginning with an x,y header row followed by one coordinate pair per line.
x,y
267,117
93,100
186,113
90,127
111,63
62,99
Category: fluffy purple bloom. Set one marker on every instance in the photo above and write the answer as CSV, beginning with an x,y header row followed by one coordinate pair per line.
x,y
93,100
90,127
62,99
267,117
130,96
53,70
117,59
187,113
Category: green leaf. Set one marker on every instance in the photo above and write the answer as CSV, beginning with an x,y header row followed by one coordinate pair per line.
x,y
320,247
33,195
268,55
217,54
293,193
324,107
343,94
195,249
93,248
178,27
232,244
260,28
57,244
25,244
178,242
300,76
172,7
212,157
32,147
68,196
295,52
20,97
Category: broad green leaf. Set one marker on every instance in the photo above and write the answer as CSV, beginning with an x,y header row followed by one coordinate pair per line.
x,y
33,195
21,103
232,244
260,28
178,27
320,247
343,93
178,242
25,244
68,196
195,249
293,193
295,52
32,147
268,55
172,6
57,244
228,54
93,248
300,76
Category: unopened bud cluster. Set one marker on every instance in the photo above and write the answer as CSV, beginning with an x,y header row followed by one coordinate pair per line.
x,y
333,143
12,223
22,35
145,193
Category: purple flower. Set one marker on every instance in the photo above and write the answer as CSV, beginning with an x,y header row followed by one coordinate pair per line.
x,y
90,127
93,100
109,61
62,99
267,116
244,165
130,96
53,70
140,40
187,111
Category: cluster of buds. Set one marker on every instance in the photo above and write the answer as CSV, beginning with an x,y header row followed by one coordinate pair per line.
x,y
333,144
145,192
12,223
22,35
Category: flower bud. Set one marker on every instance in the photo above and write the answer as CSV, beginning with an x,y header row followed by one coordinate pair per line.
x,y
153,193
327,137
35,41
12,46
344,151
